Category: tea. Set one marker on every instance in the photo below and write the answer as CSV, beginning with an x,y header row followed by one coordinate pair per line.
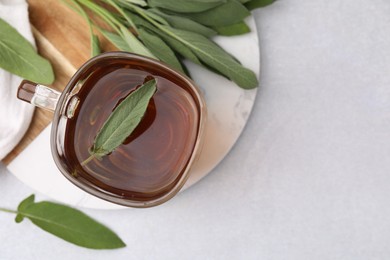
x,y
154,157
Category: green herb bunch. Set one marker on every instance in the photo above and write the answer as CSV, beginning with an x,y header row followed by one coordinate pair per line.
x,y
173,30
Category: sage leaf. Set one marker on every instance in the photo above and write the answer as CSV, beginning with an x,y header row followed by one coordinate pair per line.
x,y
184,23
137,2
19,57
160,49
116,40
156,17
176,45
121,12
19,218
140,21
157,46
69,224
95,45
226,14
22,205
215,57
123,120
186,6
134,44
234,29
182,31
184,43
253,4
180,48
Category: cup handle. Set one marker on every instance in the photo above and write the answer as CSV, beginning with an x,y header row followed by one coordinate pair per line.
x,y
38,95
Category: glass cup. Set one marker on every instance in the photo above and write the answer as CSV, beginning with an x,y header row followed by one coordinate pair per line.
x,y
154,162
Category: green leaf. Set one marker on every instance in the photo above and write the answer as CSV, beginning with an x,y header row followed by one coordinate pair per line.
x,y
159,48
116,40
156,17
95,45
123,120
26,202
137,2
134,44
215,57
176,45
19,57
121,12
71,225
23,205
229,13
139,21
184,23
19,218
180,48
253,4
186,6
234,29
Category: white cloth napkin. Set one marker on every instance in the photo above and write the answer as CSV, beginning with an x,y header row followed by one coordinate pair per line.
x,y
15,115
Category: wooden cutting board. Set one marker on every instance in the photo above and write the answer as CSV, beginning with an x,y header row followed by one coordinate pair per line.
x,y
62,36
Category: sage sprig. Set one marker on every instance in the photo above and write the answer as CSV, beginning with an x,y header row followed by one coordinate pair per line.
x,y
67,223
173,30
19,57
122,121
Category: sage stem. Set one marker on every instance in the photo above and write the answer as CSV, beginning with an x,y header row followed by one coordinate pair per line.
x,y
9,211
86,161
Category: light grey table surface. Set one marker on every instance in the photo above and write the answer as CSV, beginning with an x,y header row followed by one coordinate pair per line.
x,y
308,179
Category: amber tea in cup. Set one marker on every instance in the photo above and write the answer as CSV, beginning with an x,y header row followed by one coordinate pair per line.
x,y
153,163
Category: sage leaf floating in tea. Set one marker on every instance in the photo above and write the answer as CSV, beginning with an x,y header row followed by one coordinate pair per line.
x,y
122,121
